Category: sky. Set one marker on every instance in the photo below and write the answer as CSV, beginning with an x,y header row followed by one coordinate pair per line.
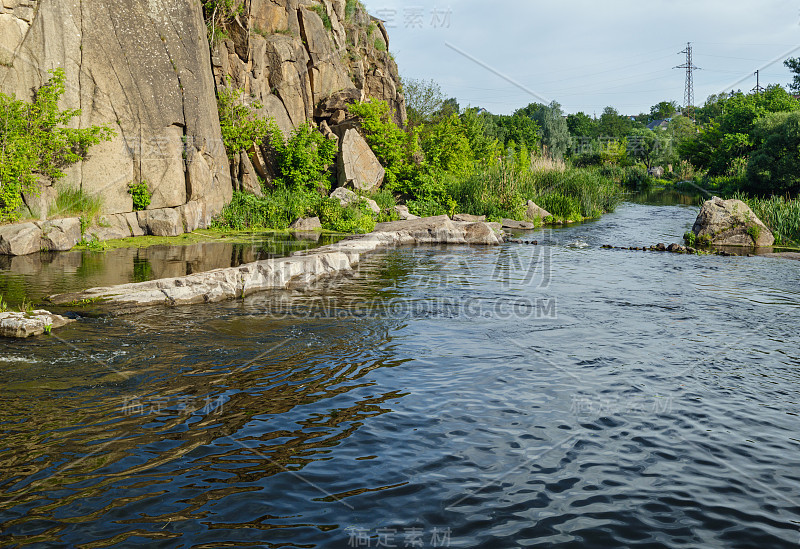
x,y
587,54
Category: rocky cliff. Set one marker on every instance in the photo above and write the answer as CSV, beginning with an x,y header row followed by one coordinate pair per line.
x,y
304,60
145,68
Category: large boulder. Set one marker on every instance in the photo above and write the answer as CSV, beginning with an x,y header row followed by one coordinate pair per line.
x,y
22,325
163,222
731,223
20,239
60,235
357,164
307,224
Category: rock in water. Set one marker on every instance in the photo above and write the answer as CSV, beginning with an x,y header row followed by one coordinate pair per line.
x,y
731,223
517,225
22,325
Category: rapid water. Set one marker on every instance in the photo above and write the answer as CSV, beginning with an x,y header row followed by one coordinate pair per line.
x,y
518,396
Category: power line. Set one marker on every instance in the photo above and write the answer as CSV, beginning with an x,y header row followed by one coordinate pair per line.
x,y
759,88
690,68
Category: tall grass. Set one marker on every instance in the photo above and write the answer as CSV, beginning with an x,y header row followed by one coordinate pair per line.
x,y
781,215
569,194
75,202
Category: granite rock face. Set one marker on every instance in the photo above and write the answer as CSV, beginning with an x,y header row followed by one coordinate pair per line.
x,y
140,67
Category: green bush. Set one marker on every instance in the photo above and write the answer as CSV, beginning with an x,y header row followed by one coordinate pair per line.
x,y
394,147
354,218
240,125
276,210
34,142
140,194
561,206
637,177
304,159
781,215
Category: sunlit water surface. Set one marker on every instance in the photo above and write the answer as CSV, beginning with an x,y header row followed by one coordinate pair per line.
x,y
518,396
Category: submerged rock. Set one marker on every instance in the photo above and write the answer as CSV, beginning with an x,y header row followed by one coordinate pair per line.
x,y
22,325
731,223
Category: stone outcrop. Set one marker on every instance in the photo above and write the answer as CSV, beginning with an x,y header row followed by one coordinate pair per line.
x,y
140,67
23,325
300,270
403,213
468,217
534,212
358,167
307,224
517,225
299,68
731,223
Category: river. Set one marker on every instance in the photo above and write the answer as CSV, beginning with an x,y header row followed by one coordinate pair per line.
x,y
517,396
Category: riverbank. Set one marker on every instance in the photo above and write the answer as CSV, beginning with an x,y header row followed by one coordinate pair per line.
x,y
302,269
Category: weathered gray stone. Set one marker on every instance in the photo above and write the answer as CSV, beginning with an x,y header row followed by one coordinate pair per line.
x,y
163,222
731,223
403,213
357,164
347,197
469,218
248,178
109,227
306,224
517,225
20,239
60,235
193,216
535,212
23,325
298,271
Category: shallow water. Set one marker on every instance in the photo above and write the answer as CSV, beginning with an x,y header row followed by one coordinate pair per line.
x,y
519,396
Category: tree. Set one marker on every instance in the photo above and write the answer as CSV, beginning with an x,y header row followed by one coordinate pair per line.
x,y
793,64
647,146
774,167
612,124
424,98
581,125
663,110
555,134
449,108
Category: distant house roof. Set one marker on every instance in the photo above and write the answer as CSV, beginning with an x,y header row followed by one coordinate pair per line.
x,y
658,124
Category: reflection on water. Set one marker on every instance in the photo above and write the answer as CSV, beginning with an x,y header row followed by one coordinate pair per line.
x,y
36,276
656,405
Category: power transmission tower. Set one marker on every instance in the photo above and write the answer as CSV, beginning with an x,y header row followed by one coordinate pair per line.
x,y
758,88
690,68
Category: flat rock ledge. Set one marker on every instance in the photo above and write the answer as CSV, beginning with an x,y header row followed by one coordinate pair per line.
x,y
296,272
23,325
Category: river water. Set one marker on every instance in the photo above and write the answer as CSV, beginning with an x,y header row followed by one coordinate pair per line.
x,y
518,396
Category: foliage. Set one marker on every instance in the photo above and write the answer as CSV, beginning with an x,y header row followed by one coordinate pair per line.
x,y
648,146
276,210
775,164
72,202
793,64
663,110
240,125
140,194
424,98
354,218
690,238
394,147
581,125
515,130
612,124
447,147
554,130
326,20
780,214
304,159
34,141
219,13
